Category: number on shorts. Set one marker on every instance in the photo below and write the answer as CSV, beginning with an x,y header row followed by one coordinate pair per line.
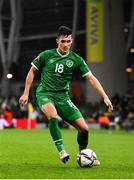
x,y
71,104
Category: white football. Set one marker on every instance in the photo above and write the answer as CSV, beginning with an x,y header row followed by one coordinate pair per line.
x,y
86,157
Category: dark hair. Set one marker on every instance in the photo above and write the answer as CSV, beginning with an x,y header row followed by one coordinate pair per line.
x,y
63,31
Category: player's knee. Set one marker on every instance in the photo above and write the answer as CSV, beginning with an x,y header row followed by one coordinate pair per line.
x,y
84,129
52,116
50,111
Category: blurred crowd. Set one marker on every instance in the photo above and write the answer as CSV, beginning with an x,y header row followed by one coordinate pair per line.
x,y
11,111
122,117
123,112
95,113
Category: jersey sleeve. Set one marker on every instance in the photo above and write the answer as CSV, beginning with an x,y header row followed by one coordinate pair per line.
x,y
38,61
83,67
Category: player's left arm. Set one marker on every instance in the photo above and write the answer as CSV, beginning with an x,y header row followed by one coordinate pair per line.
x,y
96,85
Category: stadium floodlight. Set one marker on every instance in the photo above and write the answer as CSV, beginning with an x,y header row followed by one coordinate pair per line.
x,y
9,76
129,70
132,50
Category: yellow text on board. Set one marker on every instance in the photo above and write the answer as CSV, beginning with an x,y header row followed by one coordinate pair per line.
x,y
95,37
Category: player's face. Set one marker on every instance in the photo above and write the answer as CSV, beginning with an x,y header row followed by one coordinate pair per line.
x,y
64,43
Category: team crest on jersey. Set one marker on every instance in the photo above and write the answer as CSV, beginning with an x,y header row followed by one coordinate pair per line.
x,y
69,63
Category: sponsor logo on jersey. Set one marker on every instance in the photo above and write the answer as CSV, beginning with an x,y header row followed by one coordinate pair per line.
x,y
51,60
69,63
57,74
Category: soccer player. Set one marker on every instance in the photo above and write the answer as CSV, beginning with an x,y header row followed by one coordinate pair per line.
x,y
57,66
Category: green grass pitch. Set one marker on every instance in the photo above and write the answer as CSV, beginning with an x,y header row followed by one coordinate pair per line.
x,y
31,154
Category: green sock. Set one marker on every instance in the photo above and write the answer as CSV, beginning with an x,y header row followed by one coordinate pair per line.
x,y
56,133
82,139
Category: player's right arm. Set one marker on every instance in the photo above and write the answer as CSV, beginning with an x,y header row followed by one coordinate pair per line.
x,y
29,79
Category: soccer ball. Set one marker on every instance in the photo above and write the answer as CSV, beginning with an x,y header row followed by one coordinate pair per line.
x,y
86,157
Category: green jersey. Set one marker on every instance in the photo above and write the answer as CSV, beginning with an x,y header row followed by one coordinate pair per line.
x,y
56,69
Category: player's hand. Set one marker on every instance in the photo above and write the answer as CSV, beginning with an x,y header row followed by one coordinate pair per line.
x,y
23,100
108,104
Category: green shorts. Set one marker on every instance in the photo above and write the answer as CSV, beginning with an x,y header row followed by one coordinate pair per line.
x,y
64,106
